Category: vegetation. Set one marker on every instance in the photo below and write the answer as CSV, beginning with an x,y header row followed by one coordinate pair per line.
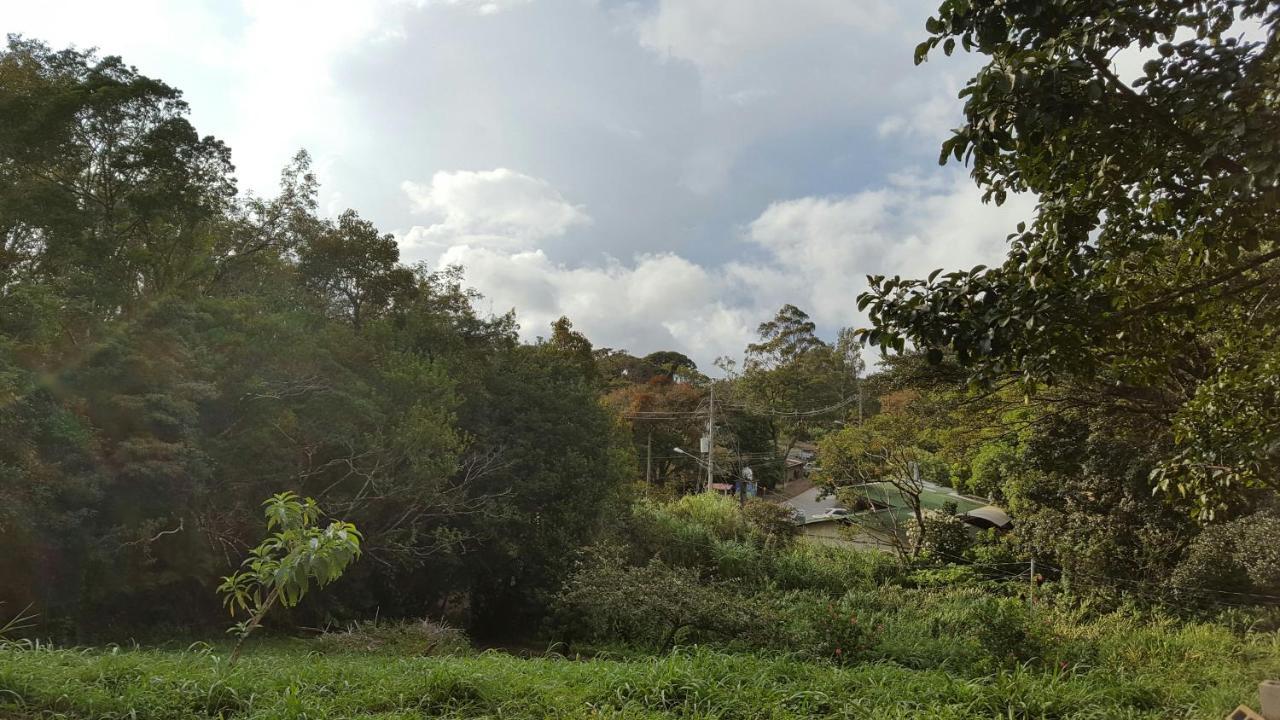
x,y
282,568
173,350
1185,672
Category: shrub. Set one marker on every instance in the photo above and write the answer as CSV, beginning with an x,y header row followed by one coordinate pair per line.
x,y
946,537
832,570
771,522
653,605
716,514
1243,553
409,637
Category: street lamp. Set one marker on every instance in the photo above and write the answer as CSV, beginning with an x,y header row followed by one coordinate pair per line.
x,y
695,459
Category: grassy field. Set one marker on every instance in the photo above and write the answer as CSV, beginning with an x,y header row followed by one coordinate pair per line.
x,y
1144,679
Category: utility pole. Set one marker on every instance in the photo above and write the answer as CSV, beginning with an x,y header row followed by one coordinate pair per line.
x,y
711,437
648,459
1033,584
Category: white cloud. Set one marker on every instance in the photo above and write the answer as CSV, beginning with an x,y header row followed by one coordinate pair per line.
x,y
498,207
678,124
483,7
721,35
931,119
659,301
822,248
817,252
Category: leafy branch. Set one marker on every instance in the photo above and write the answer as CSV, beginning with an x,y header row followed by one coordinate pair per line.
x,y
283,567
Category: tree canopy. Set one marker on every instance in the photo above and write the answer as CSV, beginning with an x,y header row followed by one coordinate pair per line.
x,y
1144,283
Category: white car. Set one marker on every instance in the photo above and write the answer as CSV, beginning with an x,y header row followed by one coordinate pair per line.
x,y
835,513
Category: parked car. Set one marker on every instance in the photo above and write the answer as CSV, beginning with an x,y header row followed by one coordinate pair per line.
x,y
835,513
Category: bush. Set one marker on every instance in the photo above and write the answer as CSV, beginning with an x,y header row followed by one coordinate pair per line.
x,y
1243,553
653,605
771,522
410,637
718,515
831,570
946,537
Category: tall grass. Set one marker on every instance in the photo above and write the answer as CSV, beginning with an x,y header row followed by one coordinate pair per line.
x,y
1173,680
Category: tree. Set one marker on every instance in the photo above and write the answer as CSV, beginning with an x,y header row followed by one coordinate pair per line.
x,y
573,344
790,334
1144,283
886,451
106,189
663,414
672,363
282,568
353,268
793,379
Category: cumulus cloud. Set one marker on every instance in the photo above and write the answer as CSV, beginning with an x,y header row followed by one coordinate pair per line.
x,y
814,252
657,301
823,247
498,207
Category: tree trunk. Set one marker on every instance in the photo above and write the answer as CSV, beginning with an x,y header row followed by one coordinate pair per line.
x,y
914,501
253,625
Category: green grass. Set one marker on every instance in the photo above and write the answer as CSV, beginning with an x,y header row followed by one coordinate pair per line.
x,y
1151,675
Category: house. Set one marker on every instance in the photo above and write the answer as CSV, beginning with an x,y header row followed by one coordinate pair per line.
x,y
841,532
988,516
794,470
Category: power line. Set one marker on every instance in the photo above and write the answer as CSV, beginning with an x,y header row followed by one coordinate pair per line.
x,y
798,413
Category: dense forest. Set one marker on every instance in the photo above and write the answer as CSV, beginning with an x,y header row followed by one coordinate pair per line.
x,y
174,351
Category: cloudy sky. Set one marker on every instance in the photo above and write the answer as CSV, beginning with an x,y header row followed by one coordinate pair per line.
x,y
667,173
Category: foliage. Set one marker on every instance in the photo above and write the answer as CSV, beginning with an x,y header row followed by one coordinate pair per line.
x,y
792,382
775,523
943,536
1241,554
283,567
994,466
353,268
1144,283
402,638
1084,500
885,450
1196,671
172,351
663,415
650,604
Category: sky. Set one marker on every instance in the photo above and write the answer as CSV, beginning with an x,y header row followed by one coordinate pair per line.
x,y
666,173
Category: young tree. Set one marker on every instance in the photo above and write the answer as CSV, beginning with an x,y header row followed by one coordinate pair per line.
x,y
282,568
884,451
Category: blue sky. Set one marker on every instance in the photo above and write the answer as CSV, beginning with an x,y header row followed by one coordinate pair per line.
x,y
665,173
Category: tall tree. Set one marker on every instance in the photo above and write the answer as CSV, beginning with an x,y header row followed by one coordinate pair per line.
x,y
105,188
793,379
1145,282
353,267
